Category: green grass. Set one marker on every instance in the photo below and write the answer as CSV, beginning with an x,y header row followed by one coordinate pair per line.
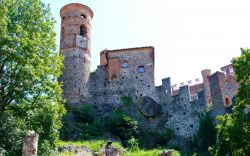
x,y
94,145
154,152
67,154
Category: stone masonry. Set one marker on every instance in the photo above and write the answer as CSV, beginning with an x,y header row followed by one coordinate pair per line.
x,y
130,73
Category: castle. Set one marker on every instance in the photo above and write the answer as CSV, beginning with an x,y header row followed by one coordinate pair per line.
x,y
130,73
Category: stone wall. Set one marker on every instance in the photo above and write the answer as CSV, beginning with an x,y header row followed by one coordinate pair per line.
x,y
75,47
183,115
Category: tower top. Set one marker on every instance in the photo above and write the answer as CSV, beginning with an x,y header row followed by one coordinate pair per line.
x,y
74,6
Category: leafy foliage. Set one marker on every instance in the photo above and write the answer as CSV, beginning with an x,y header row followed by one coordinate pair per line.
x,y
151,138
206,135
234,129
123,126
242,70
11,134
29,68
81,123
127,101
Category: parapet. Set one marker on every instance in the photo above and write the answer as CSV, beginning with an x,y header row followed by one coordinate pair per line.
x,y
76,6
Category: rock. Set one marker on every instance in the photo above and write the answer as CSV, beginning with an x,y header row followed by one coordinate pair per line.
x,y
110,150
149,107
164,153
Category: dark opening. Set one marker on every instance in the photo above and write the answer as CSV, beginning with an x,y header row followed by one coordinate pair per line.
x,y
83,16
227,101
82,31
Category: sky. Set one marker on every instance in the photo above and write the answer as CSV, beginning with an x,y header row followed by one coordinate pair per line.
x,y
188,35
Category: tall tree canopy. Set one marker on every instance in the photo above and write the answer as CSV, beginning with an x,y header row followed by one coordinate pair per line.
x,y
234,129
29,68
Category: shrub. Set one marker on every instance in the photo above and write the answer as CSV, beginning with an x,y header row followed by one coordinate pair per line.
x,y
205,136
81,123
150,138
127,101
123,126
11,135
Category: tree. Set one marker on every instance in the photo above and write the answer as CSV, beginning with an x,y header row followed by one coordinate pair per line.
x,y
29,68
234,129
206,135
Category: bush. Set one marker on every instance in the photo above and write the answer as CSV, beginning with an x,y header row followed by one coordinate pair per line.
x,y
205,136
127,101
11,136
81,123
150,138
123,126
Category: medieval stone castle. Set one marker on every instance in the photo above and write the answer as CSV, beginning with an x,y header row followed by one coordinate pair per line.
x,y
129,72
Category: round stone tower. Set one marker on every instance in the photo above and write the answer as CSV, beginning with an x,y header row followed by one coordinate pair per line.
x,y
75,47
205,75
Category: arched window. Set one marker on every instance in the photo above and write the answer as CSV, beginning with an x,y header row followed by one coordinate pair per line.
x,y
141,69
82,31
83,16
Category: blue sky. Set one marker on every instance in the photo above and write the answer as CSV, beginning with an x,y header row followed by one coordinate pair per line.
x,y
188,36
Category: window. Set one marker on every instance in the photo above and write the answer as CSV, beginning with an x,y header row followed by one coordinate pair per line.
x,y
83,16
141,69
82,31
227,101
125,65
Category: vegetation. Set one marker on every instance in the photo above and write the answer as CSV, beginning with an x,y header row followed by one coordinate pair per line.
x,y
81,123
123,126
160,138
127,101
206,135
234,129
94,145
154,152
30,96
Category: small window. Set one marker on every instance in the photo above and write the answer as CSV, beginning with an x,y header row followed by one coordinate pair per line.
x,y
82,31
227,101
125,65
83,16
141,69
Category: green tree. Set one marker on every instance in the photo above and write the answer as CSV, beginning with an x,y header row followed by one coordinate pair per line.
x,y
234,129
29,68
123,126
206,135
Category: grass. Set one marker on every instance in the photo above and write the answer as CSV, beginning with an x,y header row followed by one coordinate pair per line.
x,y
154,152
67,154
94,145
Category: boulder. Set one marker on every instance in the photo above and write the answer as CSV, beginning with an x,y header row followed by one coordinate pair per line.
x,y
149,107
110,150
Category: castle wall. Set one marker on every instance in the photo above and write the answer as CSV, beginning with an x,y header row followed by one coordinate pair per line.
x,y
184,114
